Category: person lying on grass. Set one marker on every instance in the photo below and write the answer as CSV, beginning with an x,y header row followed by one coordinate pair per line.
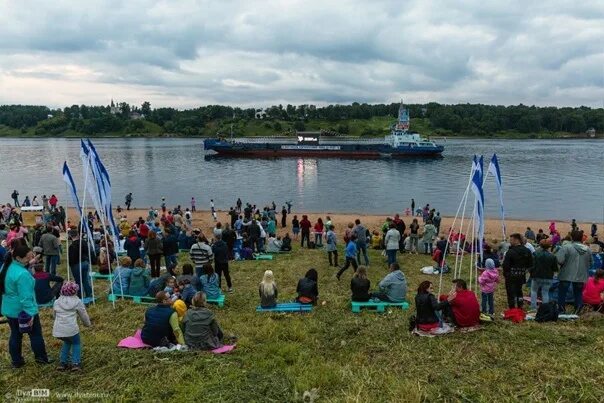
x,y
308,289
161,323
201,329
268,290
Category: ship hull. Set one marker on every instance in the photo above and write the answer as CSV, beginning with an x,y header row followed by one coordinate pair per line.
x,y
349,150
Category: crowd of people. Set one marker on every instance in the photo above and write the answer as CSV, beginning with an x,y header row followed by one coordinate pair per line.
x,y
180,316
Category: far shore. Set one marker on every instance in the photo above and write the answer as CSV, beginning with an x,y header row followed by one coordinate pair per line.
x,y
493,229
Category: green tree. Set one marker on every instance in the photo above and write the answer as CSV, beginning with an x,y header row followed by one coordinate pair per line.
x,y
146,109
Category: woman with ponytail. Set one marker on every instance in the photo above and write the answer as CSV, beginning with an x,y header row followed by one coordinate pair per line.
x,y
19,305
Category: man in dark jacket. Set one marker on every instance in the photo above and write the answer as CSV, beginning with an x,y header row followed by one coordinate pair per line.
x,y
221,260
161,323
518,260
254,236
79,263
542,273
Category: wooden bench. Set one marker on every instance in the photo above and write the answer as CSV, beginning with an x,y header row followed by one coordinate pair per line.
x,y
135,298
217,301
287,307
379,306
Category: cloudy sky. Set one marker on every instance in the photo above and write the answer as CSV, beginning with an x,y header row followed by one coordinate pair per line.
x,y
189,53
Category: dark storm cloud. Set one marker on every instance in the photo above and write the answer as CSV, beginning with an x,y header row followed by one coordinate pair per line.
x,y
189,52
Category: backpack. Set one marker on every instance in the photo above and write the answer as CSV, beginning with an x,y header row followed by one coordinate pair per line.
x,y
547,312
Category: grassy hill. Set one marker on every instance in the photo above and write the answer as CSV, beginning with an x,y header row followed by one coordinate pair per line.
x,y
331,353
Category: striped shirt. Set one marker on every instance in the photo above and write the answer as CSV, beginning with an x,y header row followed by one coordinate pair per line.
x,y
201,253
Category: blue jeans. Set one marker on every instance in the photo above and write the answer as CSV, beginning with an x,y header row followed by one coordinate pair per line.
x,y
83,282
487,303
362,247
544,285
428,245
171,260
391,253
36,340
577,293
50,265
318,239
71,344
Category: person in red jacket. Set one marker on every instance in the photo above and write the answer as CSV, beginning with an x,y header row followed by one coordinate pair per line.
x,y
464,308
593,293
305,226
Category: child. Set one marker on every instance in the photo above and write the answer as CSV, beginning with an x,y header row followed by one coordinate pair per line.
x,y
268,290
188,291
121,276
66,310
171,289
209,282
181,309
139,279
488,284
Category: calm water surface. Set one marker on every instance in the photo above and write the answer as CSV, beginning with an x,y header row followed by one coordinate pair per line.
x,y
542,179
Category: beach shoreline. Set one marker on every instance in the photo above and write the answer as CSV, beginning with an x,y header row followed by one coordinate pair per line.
x,y
203,220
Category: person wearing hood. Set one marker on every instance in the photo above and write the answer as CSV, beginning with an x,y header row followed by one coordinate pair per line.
x,y
518,260
201,329
140,279
488,281
393,287
575,260
132,246
66,311
542,273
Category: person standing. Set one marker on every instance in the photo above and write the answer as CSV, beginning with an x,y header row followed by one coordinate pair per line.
x,y
289,206
518,260
436,221
575,260
53,202
295,227
154,248
15,197
239,205
201,253
413,207
221,260
213,210
283,217
45,202
193,204
79,263
332,247
128,201
429,236
414,235
305,229
17,290
391,241
351,256
51,247
361,234
542,273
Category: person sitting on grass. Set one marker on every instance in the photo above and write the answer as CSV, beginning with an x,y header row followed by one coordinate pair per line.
x,y
464,309
44,292
426,318
286,243
172,289
274,245
268,290
360,285
201,329
121,276
593,293
393,287
307,289
209,282
158,284
187,291
140,279
187,274
161,323
66,310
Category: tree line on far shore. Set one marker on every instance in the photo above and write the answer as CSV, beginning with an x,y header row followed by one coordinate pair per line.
x,y
464,119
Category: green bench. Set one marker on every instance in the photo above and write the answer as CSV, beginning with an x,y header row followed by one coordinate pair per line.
x,y
287,307
217,301
135,298
98,276
263,256
379,306
49,304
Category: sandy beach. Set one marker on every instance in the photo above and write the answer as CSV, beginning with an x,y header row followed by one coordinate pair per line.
x,y
493,230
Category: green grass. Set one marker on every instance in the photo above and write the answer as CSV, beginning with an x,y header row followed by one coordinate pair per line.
x,y
340,355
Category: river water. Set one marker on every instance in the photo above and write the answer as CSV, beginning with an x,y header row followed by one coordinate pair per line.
x,y
542,179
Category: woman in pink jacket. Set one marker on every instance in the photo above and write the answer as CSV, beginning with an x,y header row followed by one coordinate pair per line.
x,y
488,284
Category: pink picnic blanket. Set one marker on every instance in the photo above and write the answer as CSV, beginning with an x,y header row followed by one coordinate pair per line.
x,y
136,342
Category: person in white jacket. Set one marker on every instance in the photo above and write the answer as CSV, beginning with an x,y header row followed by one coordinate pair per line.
x,y
66,309
391,240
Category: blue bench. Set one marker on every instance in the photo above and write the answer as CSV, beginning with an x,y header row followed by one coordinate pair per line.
x,y
217,301
379,306
88,300
287,307
143,299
